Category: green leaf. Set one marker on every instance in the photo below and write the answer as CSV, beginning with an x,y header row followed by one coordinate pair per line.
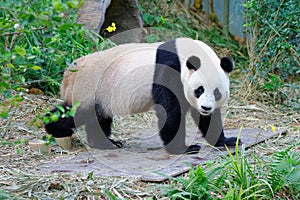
x,y
54,117
110,195
4,85
35,67
52,140
45,138
72,3
19,151
20,50
81,2
4,113
65,26
10,65
72,112
18,98
61,108
21,78
76,104
46,120
58,6
91,175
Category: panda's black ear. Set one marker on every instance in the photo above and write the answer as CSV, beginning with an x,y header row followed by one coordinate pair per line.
x,y
226,64
193,62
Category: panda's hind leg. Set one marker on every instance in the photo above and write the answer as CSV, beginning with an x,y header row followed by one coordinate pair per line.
x,y
105,124
98,131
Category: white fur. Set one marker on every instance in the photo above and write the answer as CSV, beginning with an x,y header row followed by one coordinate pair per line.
x,y
121,78
210,75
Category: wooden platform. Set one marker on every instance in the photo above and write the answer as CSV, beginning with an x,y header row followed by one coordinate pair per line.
x,y
143,156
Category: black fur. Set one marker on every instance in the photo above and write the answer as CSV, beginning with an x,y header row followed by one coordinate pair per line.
x,y
105,123
217,94
98,136
193,62
226,64
199,91
168,92
61,128
216,136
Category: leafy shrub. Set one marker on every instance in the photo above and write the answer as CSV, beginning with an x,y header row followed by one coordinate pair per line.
x,y
168,19
273,30
38,40
164,23
284,171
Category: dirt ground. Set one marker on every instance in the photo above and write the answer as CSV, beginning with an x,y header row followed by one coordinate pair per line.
x,y
20,180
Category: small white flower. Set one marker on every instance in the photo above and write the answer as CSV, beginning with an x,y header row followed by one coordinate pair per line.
x,y
17,26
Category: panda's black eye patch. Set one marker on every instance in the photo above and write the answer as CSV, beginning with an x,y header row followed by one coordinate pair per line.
x,y
193,62
199,91
217,94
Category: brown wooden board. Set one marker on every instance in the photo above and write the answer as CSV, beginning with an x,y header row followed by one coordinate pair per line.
x,y
143,156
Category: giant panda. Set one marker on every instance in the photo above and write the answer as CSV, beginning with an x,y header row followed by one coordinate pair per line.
x,y
175,77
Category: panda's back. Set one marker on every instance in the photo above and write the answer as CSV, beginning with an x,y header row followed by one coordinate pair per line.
x,y
118,79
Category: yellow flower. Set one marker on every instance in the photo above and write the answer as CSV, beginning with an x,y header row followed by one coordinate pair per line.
x,y
273,128
112,28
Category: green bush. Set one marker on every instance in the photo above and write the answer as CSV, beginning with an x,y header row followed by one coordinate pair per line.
x,y
168,19
273,29
164,22
39,39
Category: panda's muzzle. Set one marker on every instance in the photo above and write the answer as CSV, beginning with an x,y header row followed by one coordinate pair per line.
x,y
205,110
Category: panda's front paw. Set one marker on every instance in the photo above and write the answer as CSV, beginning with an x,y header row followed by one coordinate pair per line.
x,y
176,150
193,149
228,142
106,145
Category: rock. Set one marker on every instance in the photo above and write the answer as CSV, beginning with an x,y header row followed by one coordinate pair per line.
x,y
128,19
98,15
40,146
65,142
91,14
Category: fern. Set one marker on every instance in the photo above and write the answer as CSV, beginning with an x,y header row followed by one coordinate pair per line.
x,y
285,169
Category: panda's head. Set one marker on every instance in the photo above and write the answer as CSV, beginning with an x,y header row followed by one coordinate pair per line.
x,y
204,76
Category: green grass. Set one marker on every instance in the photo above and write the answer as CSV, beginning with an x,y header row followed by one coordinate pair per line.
x,y
234,178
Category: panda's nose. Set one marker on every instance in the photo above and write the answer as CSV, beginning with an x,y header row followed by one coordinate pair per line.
x,y
206,108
